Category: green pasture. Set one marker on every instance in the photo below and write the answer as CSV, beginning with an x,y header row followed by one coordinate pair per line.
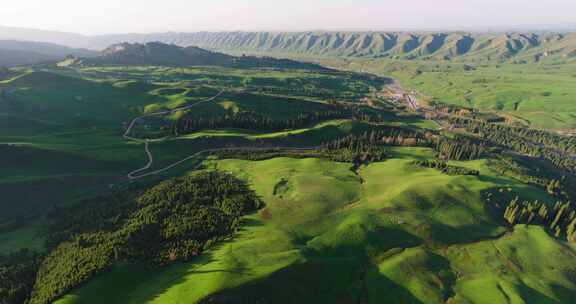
x,y
541,94
389,234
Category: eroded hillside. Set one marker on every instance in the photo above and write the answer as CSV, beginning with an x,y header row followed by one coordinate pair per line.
x,y
523,47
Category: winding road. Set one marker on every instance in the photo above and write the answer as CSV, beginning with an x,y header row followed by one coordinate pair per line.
x,y
135,120
135,174
138,174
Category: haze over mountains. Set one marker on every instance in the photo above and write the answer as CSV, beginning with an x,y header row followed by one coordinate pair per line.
x,y
157,53
456,46
445,46
13,52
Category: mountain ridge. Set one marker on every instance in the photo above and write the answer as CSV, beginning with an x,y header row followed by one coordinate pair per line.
x,y
395,45
496,47
16,52
158,53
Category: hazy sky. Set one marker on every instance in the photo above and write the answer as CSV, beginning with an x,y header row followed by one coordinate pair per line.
x,y
115,16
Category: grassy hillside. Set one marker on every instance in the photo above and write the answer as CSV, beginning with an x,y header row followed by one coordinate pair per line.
x,y
522,74
347,216
61,128
526,75
327,235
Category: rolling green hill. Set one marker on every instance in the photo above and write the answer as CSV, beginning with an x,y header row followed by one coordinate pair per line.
x,y
526,75
259,185
392,233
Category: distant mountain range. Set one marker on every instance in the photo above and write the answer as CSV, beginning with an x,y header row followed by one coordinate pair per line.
x,y
156,53
438,46
14,53
456,46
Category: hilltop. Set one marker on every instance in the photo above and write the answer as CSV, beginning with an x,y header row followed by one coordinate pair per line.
x,y
156,53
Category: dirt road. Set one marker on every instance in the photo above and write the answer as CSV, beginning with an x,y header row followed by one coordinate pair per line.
x,y
137,174
134,174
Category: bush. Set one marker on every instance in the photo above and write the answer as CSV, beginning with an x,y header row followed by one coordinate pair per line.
x,y
445,168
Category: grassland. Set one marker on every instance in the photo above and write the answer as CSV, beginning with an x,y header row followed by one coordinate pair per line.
x,y
60,141
392,233
389,232
542,95
61,129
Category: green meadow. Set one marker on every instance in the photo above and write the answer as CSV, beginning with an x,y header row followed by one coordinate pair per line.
x,y
540,95
61,129
391,233
329,232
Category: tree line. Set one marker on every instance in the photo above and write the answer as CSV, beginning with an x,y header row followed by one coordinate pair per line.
x,y
560,218
558,184
308,92
175,220
362,148
559,150
254,121
445,168
460,148
358,150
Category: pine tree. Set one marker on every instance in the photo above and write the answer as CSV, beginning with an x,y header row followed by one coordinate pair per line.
x,y
571,231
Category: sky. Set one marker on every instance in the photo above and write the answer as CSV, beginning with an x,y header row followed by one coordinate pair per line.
x,y
141,16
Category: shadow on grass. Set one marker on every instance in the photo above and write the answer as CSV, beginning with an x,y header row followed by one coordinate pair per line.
x,y
250,222
340,274
448,235
380,289
336,280
139,283
178,273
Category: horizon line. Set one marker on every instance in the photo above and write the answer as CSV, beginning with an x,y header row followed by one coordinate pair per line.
x,y
560,27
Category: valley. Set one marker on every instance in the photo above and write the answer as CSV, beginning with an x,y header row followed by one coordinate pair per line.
x,y
538,96
152,173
